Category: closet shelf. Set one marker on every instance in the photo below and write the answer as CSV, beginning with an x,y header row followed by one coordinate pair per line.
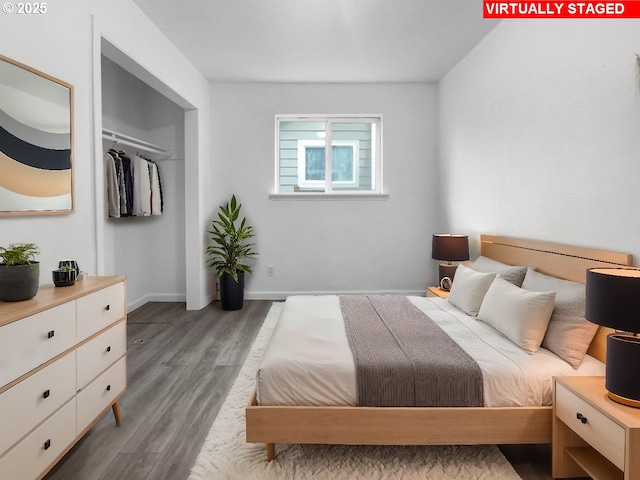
x,y
123,139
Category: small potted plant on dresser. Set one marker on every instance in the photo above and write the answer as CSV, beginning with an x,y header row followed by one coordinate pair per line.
x,y
19,272
229,252
64,276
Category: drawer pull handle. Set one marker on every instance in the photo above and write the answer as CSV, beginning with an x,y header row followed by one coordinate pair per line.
x,y
46,394
51,333
108,307
581,417
47,444
109,348
108,388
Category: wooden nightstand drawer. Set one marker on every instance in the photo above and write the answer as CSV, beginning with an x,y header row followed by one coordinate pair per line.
x,y
598,430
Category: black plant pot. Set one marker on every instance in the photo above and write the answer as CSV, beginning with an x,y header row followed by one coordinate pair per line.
x,y
19,282
64,278
231,292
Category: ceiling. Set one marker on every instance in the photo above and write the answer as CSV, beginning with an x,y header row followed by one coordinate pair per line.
x,y
321,40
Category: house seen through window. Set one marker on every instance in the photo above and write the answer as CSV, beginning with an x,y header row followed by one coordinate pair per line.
x,y
328,154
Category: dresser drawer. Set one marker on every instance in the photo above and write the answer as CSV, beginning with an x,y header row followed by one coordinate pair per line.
x,y
34,340
100,309
95,356
41,447
29,402
599,431
101,393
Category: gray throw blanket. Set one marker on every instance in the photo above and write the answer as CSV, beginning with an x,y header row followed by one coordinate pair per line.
x,y
403,359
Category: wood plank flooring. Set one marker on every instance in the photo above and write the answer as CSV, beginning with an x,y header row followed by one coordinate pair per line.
x,y
177,380
181,364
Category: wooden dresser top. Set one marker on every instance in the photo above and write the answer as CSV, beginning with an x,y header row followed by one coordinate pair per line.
x,y
49,296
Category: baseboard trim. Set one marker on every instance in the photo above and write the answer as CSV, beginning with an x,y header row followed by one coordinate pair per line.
x,y
284,295
156,297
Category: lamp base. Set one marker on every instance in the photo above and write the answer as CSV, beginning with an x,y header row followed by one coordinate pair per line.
x,y
446,270
623,400
623,369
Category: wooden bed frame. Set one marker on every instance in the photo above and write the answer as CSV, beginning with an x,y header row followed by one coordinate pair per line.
x,y
438,425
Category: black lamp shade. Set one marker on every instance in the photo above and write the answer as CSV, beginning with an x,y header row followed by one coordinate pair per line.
x,y
452,248
613,298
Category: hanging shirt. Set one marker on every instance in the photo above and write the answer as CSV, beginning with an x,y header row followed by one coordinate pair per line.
x,y
113,187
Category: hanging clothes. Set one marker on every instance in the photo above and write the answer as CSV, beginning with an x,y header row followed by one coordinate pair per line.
x,y
133,185
113,185
157,203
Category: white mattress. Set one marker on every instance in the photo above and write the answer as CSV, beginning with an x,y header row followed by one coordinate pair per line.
x,y
308,360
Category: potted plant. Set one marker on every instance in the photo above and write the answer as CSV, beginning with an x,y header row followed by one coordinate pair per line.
x,y
19,272
229,252
64,276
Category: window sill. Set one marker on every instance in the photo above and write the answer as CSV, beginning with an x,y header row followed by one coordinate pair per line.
x,y
328,196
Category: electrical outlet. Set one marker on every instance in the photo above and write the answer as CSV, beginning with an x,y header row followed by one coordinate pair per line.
x,y
271,270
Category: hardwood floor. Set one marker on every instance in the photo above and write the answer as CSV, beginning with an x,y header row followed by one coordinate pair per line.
x,y
181,365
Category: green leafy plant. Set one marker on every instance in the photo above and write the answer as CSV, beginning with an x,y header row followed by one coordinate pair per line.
x,y
19,254
230,248
64,268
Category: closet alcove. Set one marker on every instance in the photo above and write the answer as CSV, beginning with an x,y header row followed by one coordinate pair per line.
x,y
150,250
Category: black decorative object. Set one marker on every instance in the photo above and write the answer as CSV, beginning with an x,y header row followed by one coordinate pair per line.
x,y
64,277
451,248
612,296
231,292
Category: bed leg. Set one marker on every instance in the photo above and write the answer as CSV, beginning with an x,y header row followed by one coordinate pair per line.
x,y
271,451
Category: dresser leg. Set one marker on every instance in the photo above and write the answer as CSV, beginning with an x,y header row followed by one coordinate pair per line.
x,y
116,412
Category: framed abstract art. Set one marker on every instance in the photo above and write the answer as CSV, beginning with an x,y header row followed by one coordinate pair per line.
x,y
36,142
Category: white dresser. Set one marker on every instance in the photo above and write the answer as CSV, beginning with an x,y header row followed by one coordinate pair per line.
x,y
62,366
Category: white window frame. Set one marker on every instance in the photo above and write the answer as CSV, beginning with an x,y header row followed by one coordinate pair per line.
x,y
305,183
324,189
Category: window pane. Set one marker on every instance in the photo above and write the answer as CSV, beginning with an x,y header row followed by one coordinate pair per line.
x,y
291,133
352,156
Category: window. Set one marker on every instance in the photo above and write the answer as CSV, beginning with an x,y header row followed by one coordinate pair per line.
x,y
349,148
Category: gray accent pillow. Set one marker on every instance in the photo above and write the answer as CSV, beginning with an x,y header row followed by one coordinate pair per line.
x,y
569,334
468,289
511,273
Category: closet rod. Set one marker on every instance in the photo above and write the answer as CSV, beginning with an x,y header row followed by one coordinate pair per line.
x,y
123,139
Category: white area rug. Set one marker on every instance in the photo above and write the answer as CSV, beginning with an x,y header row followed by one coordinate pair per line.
x,y
225,455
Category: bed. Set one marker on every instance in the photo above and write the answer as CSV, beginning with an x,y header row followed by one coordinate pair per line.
x,y
348,424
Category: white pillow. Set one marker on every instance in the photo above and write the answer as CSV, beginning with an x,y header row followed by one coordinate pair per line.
x,y
520,315
468,289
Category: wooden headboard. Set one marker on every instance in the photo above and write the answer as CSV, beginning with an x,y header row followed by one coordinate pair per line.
x,y
556,260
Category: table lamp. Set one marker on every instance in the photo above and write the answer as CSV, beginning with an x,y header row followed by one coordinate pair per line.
x,y
612,300
451,248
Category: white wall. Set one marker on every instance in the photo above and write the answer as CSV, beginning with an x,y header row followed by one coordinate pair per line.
x,y
149,250
332,245
64,43
540,134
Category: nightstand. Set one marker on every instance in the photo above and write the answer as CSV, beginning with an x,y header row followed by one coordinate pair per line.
x,y
593,434
437,292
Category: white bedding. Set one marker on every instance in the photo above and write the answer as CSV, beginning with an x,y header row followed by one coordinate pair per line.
x,y
308,360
